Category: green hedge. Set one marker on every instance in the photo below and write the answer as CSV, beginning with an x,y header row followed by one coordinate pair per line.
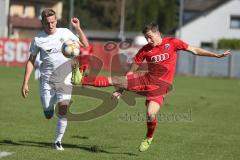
x,y
229,44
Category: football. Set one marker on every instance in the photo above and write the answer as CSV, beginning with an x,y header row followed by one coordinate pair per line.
x,y
70,48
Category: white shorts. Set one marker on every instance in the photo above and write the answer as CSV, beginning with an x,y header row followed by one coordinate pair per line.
x,y
51,93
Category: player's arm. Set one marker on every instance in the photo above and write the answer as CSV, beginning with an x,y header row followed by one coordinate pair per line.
x,y
28,70
203,52
82,38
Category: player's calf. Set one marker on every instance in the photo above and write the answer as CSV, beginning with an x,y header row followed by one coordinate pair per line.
x,y
61,124
62,110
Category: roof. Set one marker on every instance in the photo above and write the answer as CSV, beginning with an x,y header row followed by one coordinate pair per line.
x,y
34,1
20,22
202,5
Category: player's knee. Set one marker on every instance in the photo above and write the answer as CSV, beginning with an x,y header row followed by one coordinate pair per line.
x,y
62,110
48,114
151,117
119,81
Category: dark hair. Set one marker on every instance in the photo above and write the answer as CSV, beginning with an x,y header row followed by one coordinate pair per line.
x,y
47,12
150,27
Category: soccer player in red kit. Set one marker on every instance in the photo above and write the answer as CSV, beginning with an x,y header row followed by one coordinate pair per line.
x,y
160,55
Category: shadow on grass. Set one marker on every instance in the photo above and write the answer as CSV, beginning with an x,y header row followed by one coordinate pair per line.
x,y
80,137
89,148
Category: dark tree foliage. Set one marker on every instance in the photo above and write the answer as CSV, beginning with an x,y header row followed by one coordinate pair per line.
x,y
105,14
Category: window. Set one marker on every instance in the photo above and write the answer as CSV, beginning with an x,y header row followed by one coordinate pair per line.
x,y
235,22
29,11
16,10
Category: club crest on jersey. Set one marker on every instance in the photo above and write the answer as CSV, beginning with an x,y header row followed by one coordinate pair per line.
x,y
166,46
160,57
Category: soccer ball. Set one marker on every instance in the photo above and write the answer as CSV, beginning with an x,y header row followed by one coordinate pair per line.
x,y
70,48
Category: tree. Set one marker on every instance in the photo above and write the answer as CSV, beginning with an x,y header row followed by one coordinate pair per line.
x,y
105,14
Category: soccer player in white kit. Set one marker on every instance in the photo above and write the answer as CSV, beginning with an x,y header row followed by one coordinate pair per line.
x,y
48,44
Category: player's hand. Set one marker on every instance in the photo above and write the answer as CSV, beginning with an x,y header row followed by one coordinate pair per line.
x,y
116,95
25,90
226,53
75,22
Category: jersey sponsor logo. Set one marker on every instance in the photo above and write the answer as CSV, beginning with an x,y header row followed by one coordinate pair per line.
x,y
160,57
53,50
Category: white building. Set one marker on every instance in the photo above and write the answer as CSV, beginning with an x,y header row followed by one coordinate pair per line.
x,y
21,18
205,30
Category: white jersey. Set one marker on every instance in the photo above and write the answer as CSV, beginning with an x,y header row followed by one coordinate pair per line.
x,y
49,47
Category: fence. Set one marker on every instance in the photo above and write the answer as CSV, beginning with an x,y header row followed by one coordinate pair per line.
x,y
189,64
15,53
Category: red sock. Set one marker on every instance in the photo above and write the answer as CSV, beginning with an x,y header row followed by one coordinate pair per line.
x,y
151,125
96,81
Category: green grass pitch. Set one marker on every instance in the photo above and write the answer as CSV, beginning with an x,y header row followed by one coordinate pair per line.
x,y
200,120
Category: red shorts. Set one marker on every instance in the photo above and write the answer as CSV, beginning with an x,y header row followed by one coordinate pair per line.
x,y
150,86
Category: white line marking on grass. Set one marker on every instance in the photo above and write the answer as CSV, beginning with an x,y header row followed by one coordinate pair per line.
x,y
4,154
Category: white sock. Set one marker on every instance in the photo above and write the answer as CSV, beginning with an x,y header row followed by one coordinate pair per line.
x,y
61,127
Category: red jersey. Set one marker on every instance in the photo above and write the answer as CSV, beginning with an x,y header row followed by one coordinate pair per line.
x,y
161,59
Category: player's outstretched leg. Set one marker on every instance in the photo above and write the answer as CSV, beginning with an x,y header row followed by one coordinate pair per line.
x,y
103,81
78,78
96,81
